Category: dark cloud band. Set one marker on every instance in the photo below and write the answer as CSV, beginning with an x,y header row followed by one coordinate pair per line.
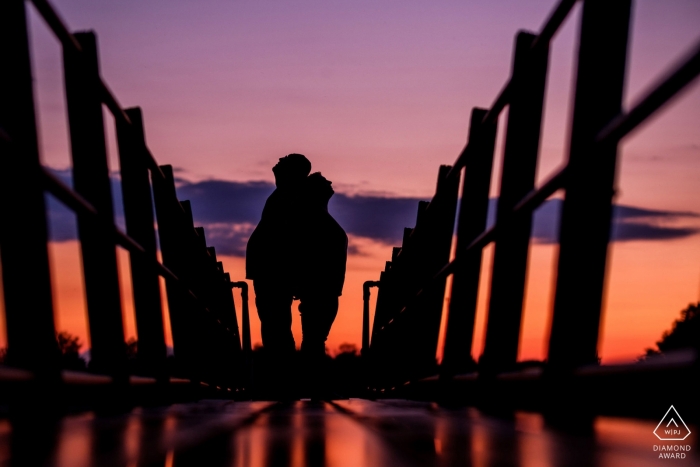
x,y
230,210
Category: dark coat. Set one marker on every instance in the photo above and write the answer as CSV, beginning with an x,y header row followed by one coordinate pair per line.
x,y
269,253
323,256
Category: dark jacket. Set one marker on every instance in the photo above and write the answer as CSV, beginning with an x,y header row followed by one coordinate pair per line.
x,y
269,253
323,256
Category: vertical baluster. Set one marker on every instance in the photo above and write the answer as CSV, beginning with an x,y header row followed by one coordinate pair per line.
x,y
91,181
471,222
587,209
246,369
406,234
232,340
517,179
399,349
138,213
380,343
205,336
409,269
234,334
226,312
220,290
438,241
382,298
231,306
169,215
245,317
192,248
365,315
205,265
25,263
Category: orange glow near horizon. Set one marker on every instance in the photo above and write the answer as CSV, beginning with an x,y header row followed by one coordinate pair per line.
x,y
68,288
649,283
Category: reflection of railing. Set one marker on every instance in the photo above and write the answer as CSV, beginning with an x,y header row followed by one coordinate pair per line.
x,y
412,286
204,327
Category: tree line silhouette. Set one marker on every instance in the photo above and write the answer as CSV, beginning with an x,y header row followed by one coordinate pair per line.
x,y
344,371
684,333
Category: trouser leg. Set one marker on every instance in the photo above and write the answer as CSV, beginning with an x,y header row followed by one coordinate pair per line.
x,y
317,316
274,305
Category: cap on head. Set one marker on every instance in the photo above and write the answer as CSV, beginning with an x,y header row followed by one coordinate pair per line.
x,y
292,167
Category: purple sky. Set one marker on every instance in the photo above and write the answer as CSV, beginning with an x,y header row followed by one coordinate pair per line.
x,y
376,93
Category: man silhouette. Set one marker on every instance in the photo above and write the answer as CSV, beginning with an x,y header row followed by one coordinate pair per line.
x,y
269,261
322,258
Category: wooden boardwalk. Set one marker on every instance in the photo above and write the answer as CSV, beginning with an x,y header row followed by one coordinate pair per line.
x,y
351,433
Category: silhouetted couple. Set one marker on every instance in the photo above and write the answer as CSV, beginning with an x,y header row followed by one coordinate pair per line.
x,y
297,251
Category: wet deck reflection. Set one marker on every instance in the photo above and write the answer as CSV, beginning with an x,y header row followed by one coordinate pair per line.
x,y
319,434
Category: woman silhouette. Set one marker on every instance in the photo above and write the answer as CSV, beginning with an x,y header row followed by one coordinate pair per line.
x,y
322,260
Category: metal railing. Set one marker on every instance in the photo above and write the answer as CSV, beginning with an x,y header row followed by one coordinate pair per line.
x,y
207,343
412,286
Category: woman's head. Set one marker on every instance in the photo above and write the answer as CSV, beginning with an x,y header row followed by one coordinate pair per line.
x,y
318,189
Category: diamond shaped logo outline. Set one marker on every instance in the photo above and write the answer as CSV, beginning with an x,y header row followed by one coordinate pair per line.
x,y
672,419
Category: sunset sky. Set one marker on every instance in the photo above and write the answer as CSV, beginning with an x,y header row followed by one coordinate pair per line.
x,y
377,94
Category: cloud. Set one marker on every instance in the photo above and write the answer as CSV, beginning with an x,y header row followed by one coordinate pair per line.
x,y
629,223
62,221
229,211
229,238
217,201
220,205
378,218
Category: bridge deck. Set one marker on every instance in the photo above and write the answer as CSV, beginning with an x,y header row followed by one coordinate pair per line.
x,y
351,432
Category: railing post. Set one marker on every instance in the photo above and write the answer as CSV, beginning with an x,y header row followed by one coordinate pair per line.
x,y
381,340
219,299
91,181
229,304
408,269
470,223
245,334
169,215
517,179
437,236
25,263
234,342
365,316
383,303
138,213
193,251
587,209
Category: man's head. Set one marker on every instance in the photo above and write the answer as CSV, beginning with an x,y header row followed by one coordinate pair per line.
x,y
291,169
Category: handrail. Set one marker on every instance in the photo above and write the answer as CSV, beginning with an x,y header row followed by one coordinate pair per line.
x,y
58,188
76,202
660,94
206,308
617,129
547,32
59,28
408,291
